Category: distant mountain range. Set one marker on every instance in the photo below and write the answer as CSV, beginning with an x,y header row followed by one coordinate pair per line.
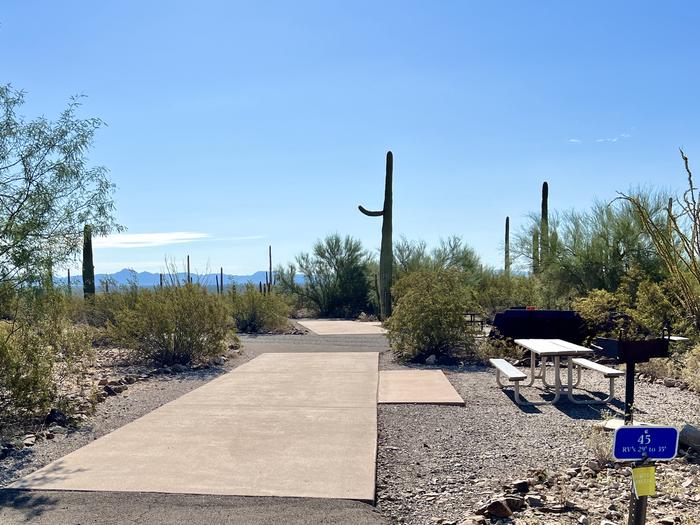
x,y
148,279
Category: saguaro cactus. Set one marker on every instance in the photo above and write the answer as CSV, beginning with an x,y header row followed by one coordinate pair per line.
x,y
386,255
269,253
544,226
506,248
535,251
88,267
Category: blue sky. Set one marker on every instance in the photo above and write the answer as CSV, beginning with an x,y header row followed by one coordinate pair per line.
x,y
231,126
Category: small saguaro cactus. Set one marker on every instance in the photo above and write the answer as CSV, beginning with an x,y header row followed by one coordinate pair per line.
x,y
88,267
269,251
386,255
506,248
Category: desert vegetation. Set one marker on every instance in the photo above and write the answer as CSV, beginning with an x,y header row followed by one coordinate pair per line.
x,y
628,265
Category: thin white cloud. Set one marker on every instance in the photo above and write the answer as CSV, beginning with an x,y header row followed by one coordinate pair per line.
x,y
575,141
617,138
147,240
245,238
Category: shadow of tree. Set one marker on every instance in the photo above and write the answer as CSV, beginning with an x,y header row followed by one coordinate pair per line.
x,y
29,503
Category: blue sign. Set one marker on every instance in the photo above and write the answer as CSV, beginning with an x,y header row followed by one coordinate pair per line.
x,y
644,442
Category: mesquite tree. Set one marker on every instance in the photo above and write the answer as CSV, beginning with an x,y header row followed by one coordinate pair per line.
x,y
48,190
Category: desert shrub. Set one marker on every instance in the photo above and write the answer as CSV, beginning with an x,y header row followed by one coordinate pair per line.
x,y
108,302
497,292
490,347
336,281
43,357
599,309
175,324
690,372
255,312
428,317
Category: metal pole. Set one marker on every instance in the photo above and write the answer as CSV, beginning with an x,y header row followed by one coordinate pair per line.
x,y
629,392
638,509
638,505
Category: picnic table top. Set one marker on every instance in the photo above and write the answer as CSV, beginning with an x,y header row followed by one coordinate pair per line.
x,y
553,347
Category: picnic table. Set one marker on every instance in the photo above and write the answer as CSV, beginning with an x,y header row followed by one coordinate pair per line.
x,y
561,353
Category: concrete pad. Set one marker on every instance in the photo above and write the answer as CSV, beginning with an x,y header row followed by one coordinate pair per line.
x,y
303,432
417,386
342,327
317,362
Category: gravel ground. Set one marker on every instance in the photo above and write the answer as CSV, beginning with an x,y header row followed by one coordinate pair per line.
x,y
436,464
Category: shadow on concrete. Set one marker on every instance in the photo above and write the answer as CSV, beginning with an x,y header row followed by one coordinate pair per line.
x,y
31,505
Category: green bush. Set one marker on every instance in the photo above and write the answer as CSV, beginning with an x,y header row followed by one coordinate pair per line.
x,y
255,312
336,281
175,324
43,357
428,315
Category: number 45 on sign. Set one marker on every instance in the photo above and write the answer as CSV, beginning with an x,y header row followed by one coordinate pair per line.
x,y
639,443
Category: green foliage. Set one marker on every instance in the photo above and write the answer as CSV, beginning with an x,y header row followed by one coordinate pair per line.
x,y
429,315
255,312
43,356
48,190
451,253
175,324
497,291
336,284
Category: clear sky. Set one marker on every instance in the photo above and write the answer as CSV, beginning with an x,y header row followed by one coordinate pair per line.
x,y
232,125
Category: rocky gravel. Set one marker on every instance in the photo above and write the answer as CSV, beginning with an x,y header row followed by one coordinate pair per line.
x,y
441,464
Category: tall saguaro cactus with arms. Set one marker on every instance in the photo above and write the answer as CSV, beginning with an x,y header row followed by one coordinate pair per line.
x,y
386,255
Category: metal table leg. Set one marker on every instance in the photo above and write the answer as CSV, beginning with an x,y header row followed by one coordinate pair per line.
x,y
557,386
570,389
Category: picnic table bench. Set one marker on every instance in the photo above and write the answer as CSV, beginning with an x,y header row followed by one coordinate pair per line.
x,y
573,355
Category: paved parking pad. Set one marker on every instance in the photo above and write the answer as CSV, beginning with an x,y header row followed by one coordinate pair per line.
x,y
417,386
302,425
342,327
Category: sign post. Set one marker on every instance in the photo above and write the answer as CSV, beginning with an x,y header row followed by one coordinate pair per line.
x,y
643,445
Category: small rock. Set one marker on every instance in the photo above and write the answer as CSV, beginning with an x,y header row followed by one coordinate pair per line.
x,y
594,465
102,382
534,501
109,390
584,520
497,508
119,388
56,417
515,503
431,360
521,485
29,440
130,380
669,381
